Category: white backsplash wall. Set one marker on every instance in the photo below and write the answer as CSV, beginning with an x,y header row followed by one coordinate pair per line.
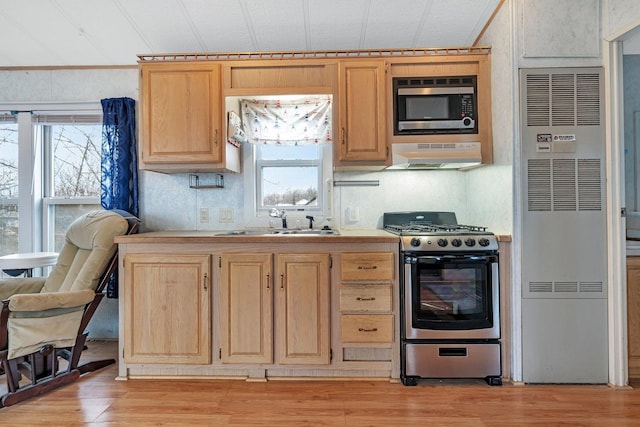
x,y
398,191
168,203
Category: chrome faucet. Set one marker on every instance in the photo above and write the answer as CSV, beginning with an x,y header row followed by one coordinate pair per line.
x,y
279,214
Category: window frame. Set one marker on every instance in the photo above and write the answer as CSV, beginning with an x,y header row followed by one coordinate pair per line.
x,y
255,216
261,163
36,224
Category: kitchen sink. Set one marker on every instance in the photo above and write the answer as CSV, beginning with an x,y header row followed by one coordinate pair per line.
x,y
278,232
307,232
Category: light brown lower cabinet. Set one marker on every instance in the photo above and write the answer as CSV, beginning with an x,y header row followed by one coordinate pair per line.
x,y
167,309
633,315
366,297
290,291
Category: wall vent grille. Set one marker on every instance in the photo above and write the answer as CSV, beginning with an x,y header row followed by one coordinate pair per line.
x,y
564,185
565,287
589,185
591,287
540,287
563,103
538,100
563,99
539,182
588,99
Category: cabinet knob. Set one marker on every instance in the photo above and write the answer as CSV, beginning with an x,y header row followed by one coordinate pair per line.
x,y
268,280
342,136
215,136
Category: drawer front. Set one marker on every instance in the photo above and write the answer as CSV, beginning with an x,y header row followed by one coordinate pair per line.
x,y
365,298
367,266
365,328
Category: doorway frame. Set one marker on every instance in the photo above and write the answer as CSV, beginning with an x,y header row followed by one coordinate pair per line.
x,y
616,222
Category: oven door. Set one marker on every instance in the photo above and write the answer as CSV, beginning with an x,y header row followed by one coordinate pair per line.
x,y
451,297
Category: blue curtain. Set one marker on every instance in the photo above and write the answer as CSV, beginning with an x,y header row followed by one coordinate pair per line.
x,y
119,180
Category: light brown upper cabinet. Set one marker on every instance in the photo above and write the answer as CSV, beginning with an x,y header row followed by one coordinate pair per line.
x,y
478,65
181,116
361,133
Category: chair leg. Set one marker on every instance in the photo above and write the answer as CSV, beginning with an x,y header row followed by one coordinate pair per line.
x,y
12,374
42,387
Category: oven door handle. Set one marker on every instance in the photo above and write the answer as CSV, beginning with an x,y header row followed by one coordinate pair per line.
x,y
434,259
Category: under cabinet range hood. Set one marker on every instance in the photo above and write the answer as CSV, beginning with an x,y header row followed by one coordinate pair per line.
x,y
440,155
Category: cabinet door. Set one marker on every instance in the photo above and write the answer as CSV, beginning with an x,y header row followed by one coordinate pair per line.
x,y
246,308
167,309
181,113
362,127
633,315
303,312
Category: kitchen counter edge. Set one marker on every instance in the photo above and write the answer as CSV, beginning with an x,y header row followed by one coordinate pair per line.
x,y
202,236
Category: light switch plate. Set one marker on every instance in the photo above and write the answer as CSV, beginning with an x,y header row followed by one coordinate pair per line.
x,y
225,215
204,215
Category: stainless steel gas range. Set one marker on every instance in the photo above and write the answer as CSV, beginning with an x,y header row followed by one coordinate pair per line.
x,y
449,298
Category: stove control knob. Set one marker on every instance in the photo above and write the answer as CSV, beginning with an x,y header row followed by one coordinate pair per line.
x,y
456,242
415,242
470,242
443,242
483,242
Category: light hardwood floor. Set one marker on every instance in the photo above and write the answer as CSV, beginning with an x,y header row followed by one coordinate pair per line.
x,y
98,400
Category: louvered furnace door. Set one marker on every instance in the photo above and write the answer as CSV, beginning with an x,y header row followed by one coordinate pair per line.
x,y
564,248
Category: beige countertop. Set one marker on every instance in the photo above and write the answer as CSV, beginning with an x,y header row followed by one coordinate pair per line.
x,y
213,236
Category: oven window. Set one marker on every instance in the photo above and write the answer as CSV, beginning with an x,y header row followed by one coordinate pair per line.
x,y
452,296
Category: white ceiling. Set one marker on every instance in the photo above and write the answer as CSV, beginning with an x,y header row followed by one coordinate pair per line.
x,y
113,32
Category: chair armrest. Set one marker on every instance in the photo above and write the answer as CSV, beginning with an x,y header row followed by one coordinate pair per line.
x,y
26,285
50,300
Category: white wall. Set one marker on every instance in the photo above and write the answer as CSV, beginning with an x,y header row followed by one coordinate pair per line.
x,y
75,85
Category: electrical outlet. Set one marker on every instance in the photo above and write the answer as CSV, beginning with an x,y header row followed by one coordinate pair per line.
x,y
225,215
204,215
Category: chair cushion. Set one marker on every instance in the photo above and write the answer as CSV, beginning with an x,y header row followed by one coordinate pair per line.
x,y
50,300
86,252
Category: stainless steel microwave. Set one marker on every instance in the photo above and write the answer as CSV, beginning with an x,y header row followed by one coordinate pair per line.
x,y
435,105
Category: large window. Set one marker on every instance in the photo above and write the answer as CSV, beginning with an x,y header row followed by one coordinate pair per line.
x,y
8,184
49,172
71,179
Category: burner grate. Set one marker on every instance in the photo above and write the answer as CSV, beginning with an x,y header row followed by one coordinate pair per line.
x,y
427,227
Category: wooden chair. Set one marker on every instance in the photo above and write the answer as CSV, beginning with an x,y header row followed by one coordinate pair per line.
x,y
44,320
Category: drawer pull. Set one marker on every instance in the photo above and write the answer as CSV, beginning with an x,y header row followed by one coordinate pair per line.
x,y
367,330
268,280
366,298
367,267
